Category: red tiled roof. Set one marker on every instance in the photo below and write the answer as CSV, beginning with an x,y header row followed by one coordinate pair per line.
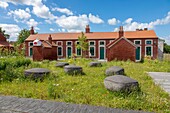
x,y
4,44
46,44
95,35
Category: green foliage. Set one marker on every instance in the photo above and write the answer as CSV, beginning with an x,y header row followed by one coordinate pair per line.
x,y
83,43
89,88
166,48
23,34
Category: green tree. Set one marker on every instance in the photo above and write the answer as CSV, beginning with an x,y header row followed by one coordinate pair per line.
x,y
3,33
166,48
23,34
83,44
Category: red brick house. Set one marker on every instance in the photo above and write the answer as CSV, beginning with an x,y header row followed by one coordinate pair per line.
x,y
122,45
4,44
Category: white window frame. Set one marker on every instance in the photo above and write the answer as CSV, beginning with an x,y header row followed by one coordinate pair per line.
x,y
136,41
148,40
29,44
61,51
102,46
67,43
60,42
151,50
77,48
92,41
94,51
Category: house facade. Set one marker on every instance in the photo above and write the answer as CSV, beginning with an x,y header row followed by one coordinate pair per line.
x,y
121,45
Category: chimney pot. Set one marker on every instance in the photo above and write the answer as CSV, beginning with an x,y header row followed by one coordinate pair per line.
x,y
121,32
87,29
32,30
145,29
50,39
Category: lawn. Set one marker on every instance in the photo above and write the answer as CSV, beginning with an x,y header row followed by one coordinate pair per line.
x,y
167,57
88,88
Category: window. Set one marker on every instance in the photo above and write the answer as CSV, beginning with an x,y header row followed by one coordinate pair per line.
x,y
60,43
60,51
69,43
91,43
78,51
148,42
77,42
92,51
30,43
148,51
30,51
102,43
137,42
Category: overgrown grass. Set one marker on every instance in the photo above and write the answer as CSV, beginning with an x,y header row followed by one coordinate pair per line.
x,y
167,57
89,88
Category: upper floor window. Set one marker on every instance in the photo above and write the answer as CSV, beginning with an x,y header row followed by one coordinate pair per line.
x,y
102,43
148,42
91,43
30,43
60,43
69,43
137,42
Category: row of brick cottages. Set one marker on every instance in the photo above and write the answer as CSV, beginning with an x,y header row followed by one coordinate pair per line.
x,y
121,45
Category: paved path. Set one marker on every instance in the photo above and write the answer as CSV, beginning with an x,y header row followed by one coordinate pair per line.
x,y
161,78
11,104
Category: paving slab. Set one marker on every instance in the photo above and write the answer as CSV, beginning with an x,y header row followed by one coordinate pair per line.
x,y
162,79
12,104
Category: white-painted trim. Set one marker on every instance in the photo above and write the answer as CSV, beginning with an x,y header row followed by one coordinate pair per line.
x,y
111,41
67,50
58,42
92,41
61,51
104,48
124,39
94,51
29,44
136,41
149,40
151,50
140,53
69,41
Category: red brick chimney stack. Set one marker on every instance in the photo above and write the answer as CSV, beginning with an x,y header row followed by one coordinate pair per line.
x,y
50,39
121,32
32,30
87,29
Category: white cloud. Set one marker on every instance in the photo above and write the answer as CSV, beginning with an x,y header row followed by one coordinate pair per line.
x,y
33,23
128,21
48,21
131,26
63,10
167,39
20,15
61,30
39,9
95,19
51,29
12,30
113,21
3,4
73,23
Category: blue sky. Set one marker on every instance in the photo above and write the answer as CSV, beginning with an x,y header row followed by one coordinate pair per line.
x,y
49,16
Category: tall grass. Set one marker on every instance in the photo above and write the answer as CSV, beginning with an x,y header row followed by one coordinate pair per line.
x,y
89,88
167,57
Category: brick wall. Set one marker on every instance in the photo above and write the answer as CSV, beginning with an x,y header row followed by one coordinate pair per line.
x,y
122,50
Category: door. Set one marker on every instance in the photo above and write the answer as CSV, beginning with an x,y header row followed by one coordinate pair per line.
x,y
31,52
69,52
101,53
138,53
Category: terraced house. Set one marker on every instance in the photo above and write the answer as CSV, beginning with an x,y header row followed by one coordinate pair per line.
x,y
121,45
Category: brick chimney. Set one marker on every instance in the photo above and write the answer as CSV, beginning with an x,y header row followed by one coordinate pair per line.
x,y
87,29
32,30
50,39
145,29
121,32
